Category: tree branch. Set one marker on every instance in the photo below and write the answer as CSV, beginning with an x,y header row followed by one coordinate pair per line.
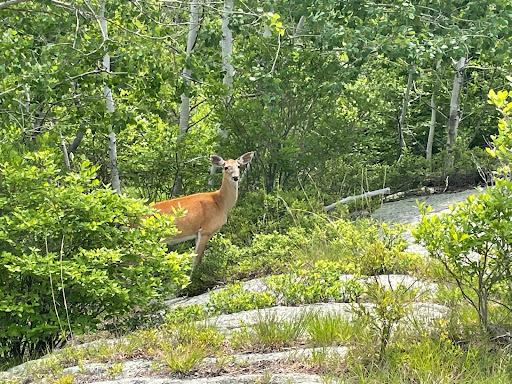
x,y
9,3
6,4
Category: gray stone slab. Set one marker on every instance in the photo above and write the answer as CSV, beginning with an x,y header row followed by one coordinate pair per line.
x,y
295,378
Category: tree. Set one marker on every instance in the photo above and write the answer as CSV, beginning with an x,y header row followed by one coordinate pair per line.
x,y
187,76
109,101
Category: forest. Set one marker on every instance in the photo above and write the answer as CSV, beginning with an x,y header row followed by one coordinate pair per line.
x,y
109,106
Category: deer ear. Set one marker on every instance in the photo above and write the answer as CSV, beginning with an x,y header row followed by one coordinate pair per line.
x,y
217,160
245,158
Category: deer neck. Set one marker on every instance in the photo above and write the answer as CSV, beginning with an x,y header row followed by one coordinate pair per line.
x,y
228,194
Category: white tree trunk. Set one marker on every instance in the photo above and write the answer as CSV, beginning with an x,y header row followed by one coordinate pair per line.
x,y
187,74
433,114
454,118
227,68
401,121
298,30
65,153
227,44
109,102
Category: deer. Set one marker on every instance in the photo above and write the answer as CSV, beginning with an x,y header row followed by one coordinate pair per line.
x,y
206,212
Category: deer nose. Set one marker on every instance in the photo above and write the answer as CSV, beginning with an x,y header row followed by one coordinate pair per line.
x,y
235,178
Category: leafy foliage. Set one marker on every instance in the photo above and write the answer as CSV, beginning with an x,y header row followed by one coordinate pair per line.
x,y
234,298
389,307
72,252
321,283
502,142
473,243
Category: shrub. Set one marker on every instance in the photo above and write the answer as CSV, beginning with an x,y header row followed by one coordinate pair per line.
x,y
234,298
363,247
502,143
226,262
188,313
219,265
261,213
70,255
389,307
321,283
473,243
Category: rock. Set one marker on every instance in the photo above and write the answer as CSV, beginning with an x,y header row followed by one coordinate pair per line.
x,y
407,281
406,211
186,301
100,371
425,312
289,355
295,378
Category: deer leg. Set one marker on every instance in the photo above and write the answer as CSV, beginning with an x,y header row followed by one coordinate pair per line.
x,y
201,241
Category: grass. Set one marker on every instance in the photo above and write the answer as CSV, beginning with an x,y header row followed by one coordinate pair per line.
x,y
270,333
329,329
433,360
183,358
423,356
326,362
450,351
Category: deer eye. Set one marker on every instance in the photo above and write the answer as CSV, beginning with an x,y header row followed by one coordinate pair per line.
x,y
226,168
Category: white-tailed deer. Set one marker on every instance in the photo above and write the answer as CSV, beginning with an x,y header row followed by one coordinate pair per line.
x,y
206,212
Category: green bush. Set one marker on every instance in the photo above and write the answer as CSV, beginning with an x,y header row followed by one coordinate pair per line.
x,y
272,253
189,313
389,307
473,242
222,257
226,262
234,298
363,247
502,143
71,254
262,213
321,283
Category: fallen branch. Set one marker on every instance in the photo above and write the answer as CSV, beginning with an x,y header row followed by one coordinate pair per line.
x,y
383,191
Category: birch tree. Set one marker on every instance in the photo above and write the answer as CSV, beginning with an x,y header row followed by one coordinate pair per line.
x,y
109,101
227,67
455,112
184,119
433,114
403,114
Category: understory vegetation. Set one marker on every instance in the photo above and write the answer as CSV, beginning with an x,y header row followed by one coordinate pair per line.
x,y
108,106
302,256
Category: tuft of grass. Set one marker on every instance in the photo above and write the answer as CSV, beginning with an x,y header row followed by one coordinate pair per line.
x,y
65,379
431,360
266,378
272,332
184,346
183,358
114,370
269,333
328,329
